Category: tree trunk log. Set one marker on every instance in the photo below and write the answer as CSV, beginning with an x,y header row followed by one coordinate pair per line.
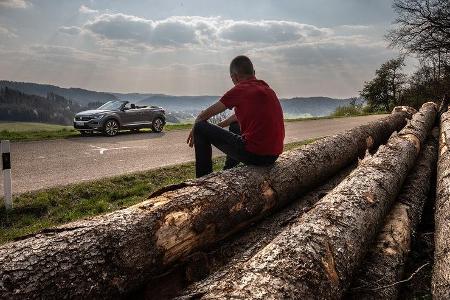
x,y
440,285
114,253
316,257
384,264
235,250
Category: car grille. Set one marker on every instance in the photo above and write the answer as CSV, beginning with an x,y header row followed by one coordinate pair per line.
x,y
83,118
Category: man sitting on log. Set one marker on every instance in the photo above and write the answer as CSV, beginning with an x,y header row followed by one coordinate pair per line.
x,y
259,116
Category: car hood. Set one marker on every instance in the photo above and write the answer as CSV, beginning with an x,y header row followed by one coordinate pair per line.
x,y
93,112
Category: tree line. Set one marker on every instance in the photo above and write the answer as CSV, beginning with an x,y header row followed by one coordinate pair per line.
x,y
422,30
55,109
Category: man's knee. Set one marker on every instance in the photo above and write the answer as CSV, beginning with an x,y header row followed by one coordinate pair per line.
x,y
199,127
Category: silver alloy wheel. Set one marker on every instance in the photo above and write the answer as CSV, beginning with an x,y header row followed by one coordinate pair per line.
x,y
158,125
111,127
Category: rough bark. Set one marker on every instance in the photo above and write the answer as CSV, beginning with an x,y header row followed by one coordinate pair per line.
x,y
316,257
111,254
383,266
443,107
235,250
441,269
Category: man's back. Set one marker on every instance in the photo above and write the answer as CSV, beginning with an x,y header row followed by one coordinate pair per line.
x,y
260,116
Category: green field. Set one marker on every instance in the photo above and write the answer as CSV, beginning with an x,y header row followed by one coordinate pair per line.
x,y
37,210
26,126
17,131
24,131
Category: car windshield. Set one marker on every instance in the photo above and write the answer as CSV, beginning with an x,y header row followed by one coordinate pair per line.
x,y
111,105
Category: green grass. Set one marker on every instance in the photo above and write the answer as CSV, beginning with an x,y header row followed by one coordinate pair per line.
x,y
26,126
18,131
23,131
37,210
334,116
338,115
355,110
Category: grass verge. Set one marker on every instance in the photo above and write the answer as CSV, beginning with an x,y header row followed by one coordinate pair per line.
x,y
37,210
22,131
335,116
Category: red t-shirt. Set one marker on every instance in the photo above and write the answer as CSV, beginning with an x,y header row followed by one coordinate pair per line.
x,y
259,114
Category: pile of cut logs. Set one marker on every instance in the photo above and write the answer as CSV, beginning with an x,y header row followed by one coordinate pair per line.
x,y
332,219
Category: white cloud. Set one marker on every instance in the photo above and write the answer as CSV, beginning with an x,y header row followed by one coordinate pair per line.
x,y
328,54
15,3
120,27
356,27
86,10
269,31
192,30
63,54
71,30
6,33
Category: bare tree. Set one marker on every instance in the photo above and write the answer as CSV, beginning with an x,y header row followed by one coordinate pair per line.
x,y
421,26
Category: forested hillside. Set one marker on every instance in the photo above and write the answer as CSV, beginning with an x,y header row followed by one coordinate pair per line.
x,y
17,106
81,96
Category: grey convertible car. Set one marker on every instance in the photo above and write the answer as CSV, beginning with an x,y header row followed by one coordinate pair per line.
x,y
117,115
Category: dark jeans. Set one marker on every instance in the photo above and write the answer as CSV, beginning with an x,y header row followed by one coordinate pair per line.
x,y
232,144
230,162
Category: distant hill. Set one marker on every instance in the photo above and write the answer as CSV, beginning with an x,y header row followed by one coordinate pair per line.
x,y
81,96
55,109
178,108
186,107
133,97
180,103
312,106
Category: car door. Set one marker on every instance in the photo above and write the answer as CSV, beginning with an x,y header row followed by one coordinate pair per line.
x,y
130,116
146,115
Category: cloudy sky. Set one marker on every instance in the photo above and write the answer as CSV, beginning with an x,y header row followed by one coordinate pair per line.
x,y
183,47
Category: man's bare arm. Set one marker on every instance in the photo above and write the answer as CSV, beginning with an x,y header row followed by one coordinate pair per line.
x,y
228,121
213,110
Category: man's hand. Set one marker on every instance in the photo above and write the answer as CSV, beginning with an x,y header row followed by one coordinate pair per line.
x,y
227,121
213,110
190,139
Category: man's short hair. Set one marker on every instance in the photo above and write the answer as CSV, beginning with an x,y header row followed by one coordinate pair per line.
x,y
242,65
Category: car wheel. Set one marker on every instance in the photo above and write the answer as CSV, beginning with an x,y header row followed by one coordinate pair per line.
x,y
157,124
111,127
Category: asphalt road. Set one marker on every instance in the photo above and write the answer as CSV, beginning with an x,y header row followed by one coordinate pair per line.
x,y
42,164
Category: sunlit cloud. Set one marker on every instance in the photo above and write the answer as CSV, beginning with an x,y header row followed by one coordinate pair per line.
x,y
86,10
325,55
67,55
71,30
193,30
6,33
14,3
269,31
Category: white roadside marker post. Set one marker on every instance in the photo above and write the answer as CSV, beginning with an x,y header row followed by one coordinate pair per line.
x,y
6,165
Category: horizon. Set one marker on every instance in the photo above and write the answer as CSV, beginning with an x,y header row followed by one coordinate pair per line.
x,y
302,49
156,93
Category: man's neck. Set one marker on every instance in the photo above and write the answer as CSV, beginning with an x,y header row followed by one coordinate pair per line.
x,y
245,78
